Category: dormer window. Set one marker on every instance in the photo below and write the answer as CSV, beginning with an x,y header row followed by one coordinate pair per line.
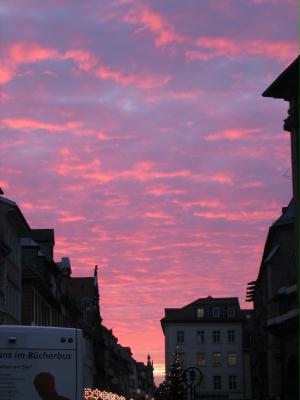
x,y
230,312
200,312
216,312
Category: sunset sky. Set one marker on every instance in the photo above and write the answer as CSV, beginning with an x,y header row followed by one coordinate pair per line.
x,y
137,130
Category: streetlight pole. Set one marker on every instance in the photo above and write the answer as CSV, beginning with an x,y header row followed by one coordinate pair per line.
x,y
191,378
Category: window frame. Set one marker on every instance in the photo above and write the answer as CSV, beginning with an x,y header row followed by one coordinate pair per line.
x,y
231,336
232,383
204,359
180,337
229,354
217,382
215,312
230,312
216,334
200,312
200,336
219,362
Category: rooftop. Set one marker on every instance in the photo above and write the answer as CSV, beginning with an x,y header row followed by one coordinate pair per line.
x,y
287,216
286,85
42,235
191,312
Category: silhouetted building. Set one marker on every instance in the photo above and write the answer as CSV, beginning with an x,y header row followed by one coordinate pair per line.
x,y
46,297
210,334
276,315
13,227
286,87
86,293
145,385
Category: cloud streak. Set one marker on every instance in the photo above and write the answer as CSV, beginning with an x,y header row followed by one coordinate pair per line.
x,y
137,130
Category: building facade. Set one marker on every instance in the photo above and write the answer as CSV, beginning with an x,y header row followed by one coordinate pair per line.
x,y
209,334
13,227
276,315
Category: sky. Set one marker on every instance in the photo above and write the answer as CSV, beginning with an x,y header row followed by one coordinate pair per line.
x,y
137,130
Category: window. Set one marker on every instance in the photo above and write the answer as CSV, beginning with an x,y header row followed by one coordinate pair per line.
x,y
217,359
200,312
180,337
232,359
200,337
216,312
203,382
41,310
231,336
217,382
13,301
216,336
232,382
230,312
201,359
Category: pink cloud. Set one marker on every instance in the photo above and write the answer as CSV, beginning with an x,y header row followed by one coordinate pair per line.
x,y
6,74
237,216
230,48
158,215
146,19
164,32
232,134
23,53
141,82
70,218
200,203
31,124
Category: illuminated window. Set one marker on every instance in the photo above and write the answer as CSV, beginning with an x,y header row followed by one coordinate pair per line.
x,y
201,359
232,359
217,359
200,312
200,337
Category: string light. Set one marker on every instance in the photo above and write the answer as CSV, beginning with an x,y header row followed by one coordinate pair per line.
x,y
96,394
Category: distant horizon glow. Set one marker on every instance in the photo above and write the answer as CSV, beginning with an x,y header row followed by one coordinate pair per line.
x,y
137,130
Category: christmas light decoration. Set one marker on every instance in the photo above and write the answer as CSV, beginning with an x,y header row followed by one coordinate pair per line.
x,y
96,394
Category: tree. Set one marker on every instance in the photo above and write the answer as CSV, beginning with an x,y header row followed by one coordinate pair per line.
x,y
172,387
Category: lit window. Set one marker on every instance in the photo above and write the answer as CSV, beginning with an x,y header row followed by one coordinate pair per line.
x,y
231,336
216,312
180,336
230,312
216,336
201,359
200,312
217,382
232,382
200,337
232,359
217,359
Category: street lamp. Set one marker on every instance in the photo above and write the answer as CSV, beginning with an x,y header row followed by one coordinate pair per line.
x,y
191,378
